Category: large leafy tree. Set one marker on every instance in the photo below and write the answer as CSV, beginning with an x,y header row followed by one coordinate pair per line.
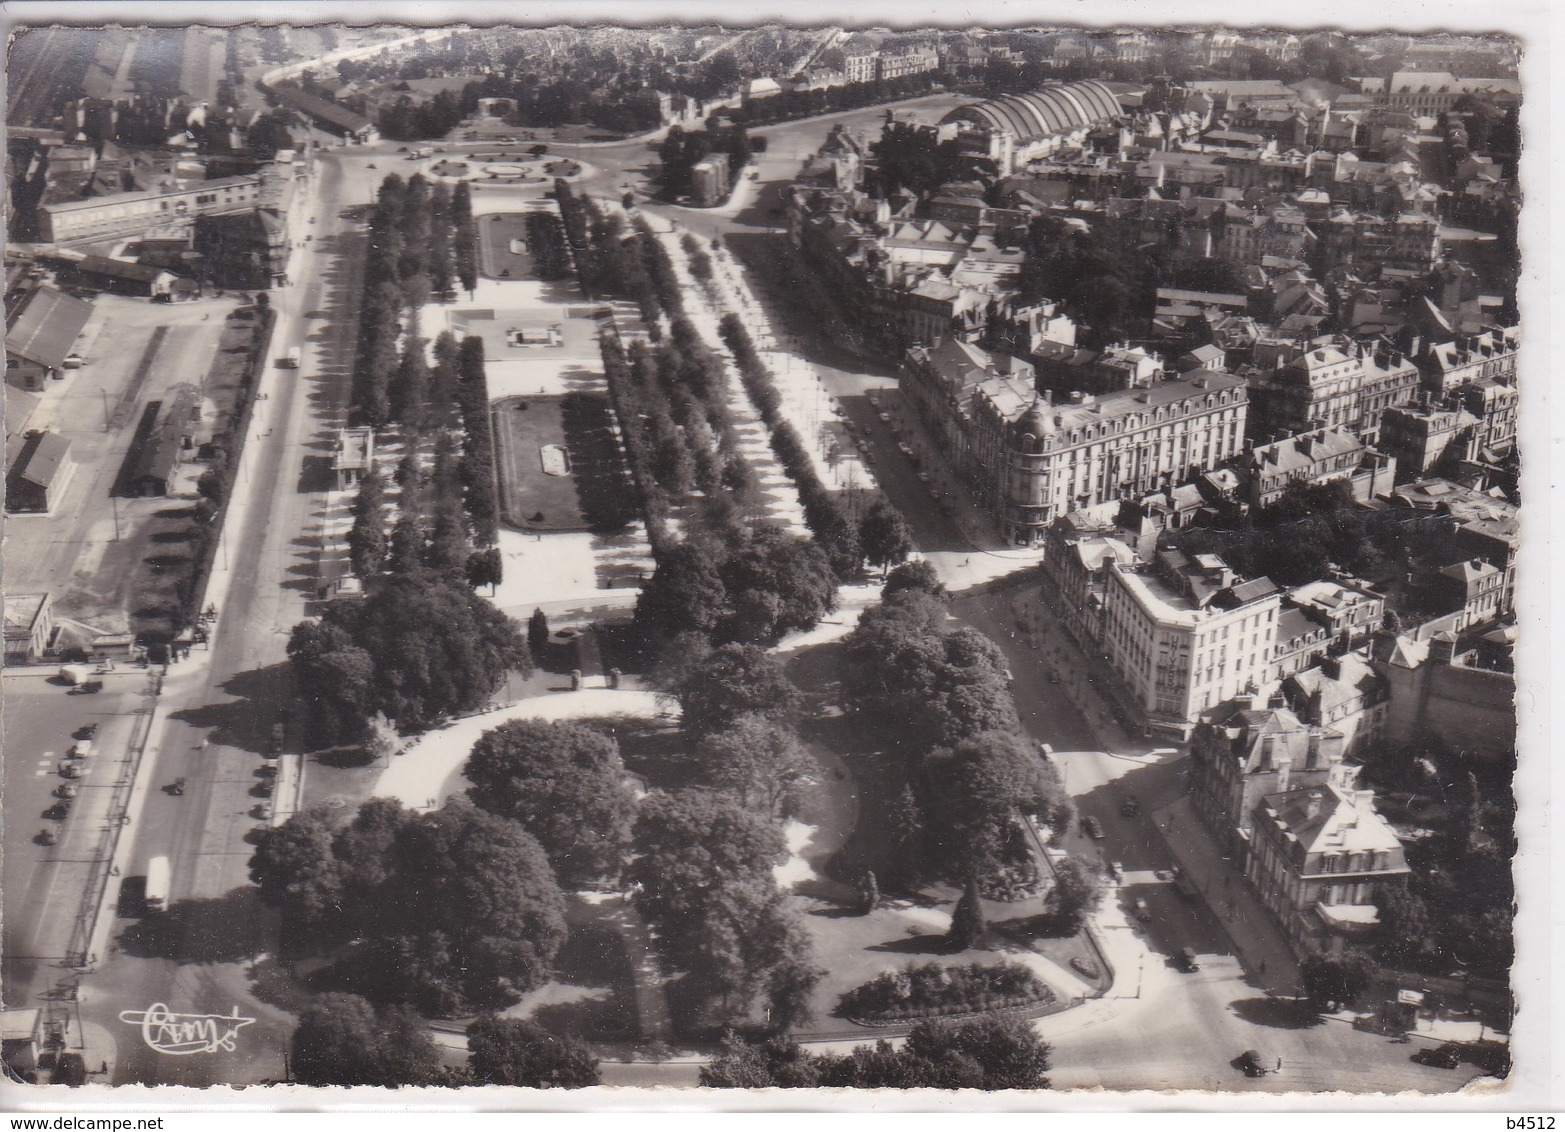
x,y
1077,890
922,680
919,575
759,759
1328,979
974,793
434,648
342,1040
449,910
777,583
705,878
296,870
734,681
482,885
685,593
884,536
515,1052
337,678
565,784
1007,1052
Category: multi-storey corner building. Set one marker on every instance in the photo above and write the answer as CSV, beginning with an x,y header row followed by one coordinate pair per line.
x,y
1184,634
1028,461
1317,857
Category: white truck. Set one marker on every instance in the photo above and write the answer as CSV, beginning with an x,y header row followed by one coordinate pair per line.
x,y
155,896
292,358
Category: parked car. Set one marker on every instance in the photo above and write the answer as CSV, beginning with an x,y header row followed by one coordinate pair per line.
x,y
70,769
86,688
1142,910
1092,827
1447,1056
1185,960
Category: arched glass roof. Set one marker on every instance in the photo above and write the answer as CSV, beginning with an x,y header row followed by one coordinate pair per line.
x,y
1043,113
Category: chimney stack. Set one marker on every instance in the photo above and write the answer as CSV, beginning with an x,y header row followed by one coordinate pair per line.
x,y
1312,808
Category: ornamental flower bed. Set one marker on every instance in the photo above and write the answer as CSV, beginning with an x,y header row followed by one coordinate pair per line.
x,y
929,990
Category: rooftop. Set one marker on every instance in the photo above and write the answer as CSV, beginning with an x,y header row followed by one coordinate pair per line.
x,y
44,324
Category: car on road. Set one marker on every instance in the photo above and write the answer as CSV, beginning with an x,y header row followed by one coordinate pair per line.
x,y
1141,909
1092,827
1116,871
70,769
1185,960
904,448
1253,1064
923,477
1446,1056
1130,807
86,688
884,416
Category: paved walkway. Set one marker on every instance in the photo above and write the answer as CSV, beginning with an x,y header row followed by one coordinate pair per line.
x,y
650,978
1258,941
423,774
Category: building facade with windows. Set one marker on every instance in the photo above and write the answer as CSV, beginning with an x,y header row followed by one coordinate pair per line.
x,y
1332,385
1246,748
1317,855
1184,634
130,214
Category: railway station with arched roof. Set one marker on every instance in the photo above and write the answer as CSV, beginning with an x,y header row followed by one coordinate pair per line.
x,y
1016,128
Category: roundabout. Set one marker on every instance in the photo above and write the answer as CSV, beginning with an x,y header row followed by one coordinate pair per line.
x,y
543,170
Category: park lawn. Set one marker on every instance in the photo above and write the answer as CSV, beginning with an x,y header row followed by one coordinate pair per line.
x,y
522,428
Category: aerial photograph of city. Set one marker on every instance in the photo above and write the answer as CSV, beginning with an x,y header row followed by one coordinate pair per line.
x,y
753,555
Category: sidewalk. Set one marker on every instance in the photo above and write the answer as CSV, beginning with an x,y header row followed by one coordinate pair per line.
x,y
1258,941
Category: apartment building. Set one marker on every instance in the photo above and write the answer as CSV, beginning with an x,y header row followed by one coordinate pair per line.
x,y
1184,634
1245,748
1330,383
1317,856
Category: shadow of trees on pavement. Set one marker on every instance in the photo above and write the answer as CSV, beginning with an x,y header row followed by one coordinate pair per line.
x,y
223,929
1279,1013
261,697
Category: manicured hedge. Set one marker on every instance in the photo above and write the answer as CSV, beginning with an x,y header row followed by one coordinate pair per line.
x,y
930,990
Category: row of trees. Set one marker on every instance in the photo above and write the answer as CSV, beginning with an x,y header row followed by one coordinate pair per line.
x,y
989,1053
431,531
422,239
824,513
345,1040
792,104
611,262
445,911
706,853
940,694
407,120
